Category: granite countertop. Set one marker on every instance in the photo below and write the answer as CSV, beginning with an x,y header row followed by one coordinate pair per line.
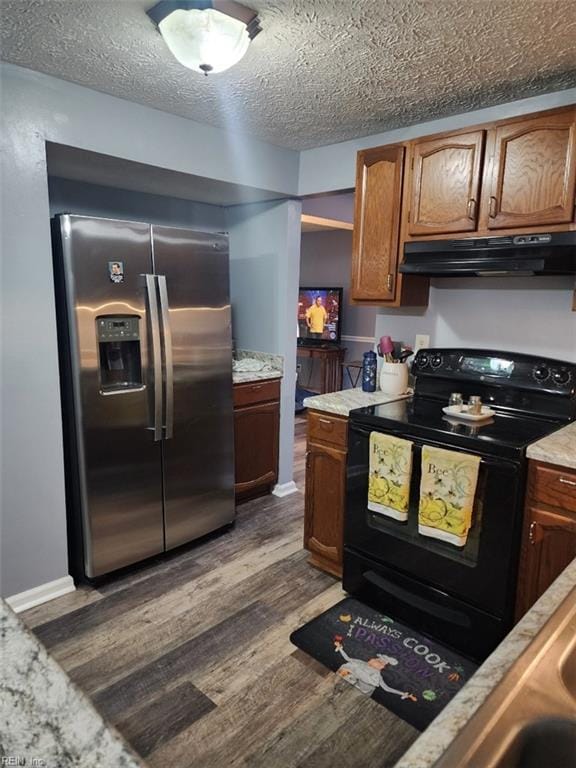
x,y
245,377
341,403
558,448
43,715
273,366
436,739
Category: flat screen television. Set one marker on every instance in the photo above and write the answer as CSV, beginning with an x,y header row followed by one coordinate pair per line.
x,y
319,315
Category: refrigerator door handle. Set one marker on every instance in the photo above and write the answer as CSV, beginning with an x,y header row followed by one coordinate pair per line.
x,y
156,359
168,359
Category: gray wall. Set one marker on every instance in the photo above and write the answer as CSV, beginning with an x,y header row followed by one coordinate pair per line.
x,y
68,196
264,267
325,259
37,108
529,315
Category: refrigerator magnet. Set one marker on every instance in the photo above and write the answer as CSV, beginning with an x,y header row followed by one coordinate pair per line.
x,y
116,271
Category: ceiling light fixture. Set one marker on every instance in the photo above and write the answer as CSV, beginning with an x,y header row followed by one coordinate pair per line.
x,y
207,36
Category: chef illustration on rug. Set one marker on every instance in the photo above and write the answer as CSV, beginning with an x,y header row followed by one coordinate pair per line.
x,y
366,675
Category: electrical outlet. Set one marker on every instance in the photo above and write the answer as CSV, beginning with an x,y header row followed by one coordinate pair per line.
x,y
422,341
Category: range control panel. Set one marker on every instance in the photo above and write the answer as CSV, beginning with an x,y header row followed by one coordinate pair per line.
x,y
503,368
118,328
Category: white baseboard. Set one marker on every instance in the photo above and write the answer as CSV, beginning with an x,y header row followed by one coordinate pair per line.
x,y
285,489
41,594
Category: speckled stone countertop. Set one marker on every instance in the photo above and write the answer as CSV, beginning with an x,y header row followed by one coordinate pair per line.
x,y
273,366
341,403
43,715
436,739
558,448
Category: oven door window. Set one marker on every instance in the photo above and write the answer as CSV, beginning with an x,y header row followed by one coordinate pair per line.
x,y
408,531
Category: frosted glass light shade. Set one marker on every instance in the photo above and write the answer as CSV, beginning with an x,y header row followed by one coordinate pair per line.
x,y
205,40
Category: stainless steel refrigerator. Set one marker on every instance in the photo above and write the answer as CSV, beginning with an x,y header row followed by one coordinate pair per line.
x,y
146,371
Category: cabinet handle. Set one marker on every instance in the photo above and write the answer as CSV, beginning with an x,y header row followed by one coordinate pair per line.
x,y
493,207
531,537
325,421
565,481
256,387
472,208
389,281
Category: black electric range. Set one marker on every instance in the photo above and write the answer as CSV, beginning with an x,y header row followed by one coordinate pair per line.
x,y
463,596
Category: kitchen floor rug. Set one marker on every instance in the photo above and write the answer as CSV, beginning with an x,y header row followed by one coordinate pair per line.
x,y
403,670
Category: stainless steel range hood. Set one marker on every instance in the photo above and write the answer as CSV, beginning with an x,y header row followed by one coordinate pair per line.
x,y
531,254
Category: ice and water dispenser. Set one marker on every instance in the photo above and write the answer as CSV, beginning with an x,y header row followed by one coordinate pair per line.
x,y
119,346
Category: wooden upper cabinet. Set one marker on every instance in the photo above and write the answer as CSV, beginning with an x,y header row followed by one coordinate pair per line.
x,y
445,186
379,174
534,172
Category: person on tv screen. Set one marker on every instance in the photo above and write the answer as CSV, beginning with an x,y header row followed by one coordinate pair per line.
x,y
316,319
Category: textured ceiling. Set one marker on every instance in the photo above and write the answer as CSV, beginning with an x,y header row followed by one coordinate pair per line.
x,y
322,71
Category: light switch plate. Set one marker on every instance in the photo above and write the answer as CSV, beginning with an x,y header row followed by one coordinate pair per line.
x,y
422,341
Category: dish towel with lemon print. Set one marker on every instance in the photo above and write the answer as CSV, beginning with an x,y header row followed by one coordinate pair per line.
x,y
447,491
389,475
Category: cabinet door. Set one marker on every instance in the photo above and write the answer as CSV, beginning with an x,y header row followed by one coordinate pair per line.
x,y
534,172
256,447
548,546
324,505
377,223
445,184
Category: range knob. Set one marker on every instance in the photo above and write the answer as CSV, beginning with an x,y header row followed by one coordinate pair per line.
x,y
541,372
436,361
561,376
423,360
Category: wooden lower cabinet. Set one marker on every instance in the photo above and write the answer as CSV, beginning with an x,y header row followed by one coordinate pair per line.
x,y
256,437
549,533
325,490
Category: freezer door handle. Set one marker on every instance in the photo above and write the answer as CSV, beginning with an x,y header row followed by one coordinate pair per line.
x,y
156,356
168,360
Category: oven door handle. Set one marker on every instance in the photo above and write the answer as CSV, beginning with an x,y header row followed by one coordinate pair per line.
x,y
417,601
419,443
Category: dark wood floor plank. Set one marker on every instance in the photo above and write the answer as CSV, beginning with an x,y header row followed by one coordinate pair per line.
x,y
180,570
174,606
280,586
165,717
289,746
370,737
227,678
96,614
55,609
235,729
189,654
257,521
188,658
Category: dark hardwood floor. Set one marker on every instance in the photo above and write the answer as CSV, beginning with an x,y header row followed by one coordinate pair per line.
x,y
189,655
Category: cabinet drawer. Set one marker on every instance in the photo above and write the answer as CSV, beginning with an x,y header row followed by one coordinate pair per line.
x,y
256,392
328,429
555,487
